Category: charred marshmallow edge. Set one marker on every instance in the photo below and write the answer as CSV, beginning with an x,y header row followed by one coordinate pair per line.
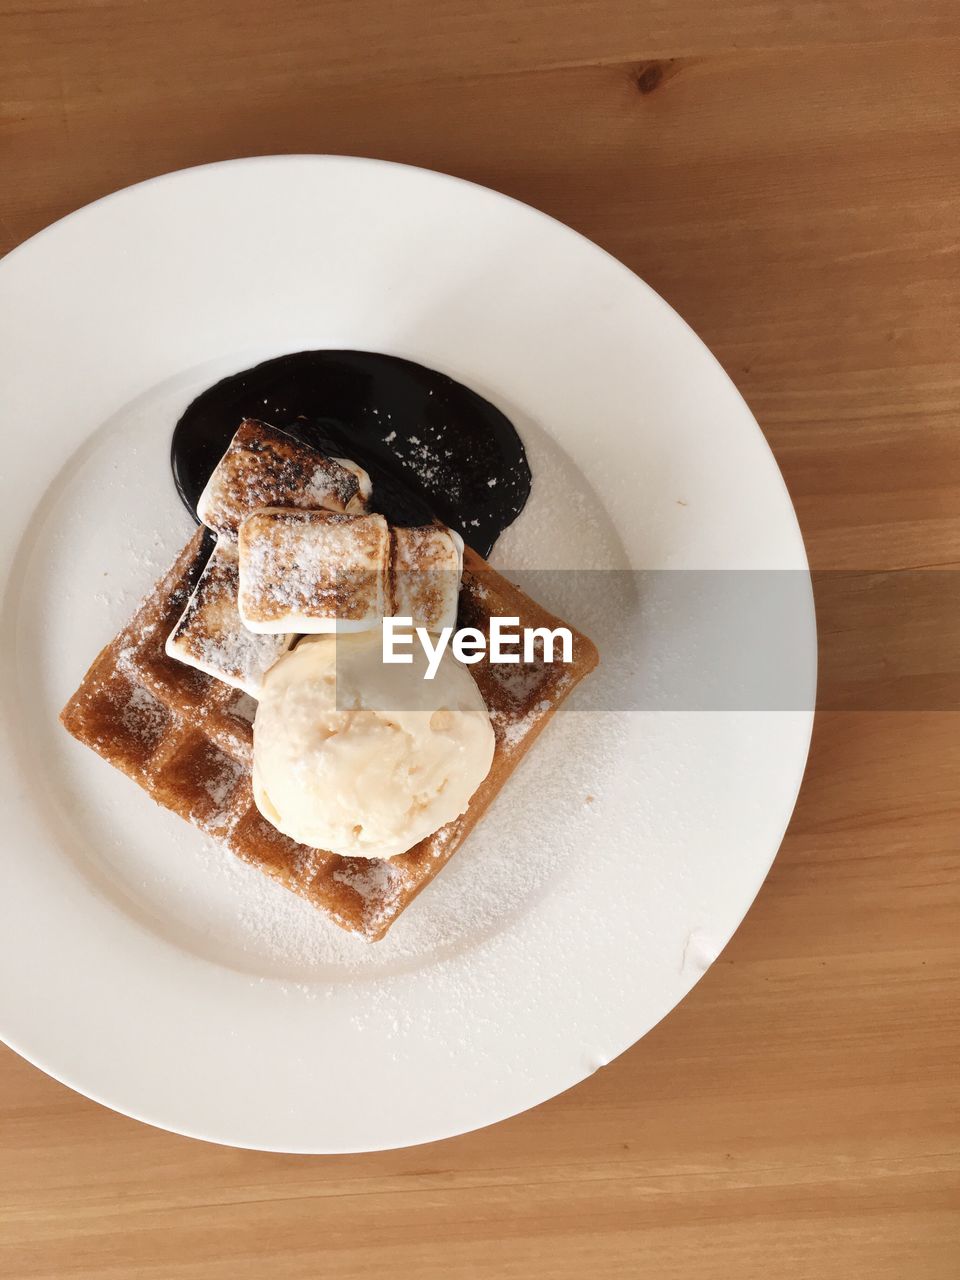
x,y
210,634
364,483
426,566
264,466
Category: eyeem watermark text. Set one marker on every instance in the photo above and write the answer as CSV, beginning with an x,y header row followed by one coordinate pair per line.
x,y
506,642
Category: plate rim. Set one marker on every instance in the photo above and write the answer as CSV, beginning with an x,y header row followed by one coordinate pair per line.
x,y
30,245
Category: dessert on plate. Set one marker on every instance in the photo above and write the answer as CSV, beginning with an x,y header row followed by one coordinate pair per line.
x,y
249,694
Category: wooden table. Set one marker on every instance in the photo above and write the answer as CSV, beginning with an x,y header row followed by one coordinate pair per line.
x,y
787,176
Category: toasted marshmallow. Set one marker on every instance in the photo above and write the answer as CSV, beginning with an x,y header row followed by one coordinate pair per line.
x,y
210,634
312,571
264,467
364,484
425,570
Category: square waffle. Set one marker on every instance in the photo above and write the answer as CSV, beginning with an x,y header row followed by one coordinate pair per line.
x,y
187,739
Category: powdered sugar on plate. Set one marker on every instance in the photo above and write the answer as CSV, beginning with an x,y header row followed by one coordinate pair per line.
x,y
509,860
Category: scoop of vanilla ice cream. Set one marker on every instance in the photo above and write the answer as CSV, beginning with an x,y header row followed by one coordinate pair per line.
x,y
362,757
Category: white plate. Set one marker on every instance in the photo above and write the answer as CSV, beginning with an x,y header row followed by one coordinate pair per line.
x,y
150,971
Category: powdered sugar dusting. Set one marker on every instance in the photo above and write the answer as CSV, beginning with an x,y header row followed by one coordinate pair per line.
x,y
314,564
142,716
496,876
265,467
379,883
210,634
220,786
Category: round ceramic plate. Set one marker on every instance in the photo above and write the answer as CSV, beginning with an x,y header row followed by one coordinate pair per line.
x,y
143,966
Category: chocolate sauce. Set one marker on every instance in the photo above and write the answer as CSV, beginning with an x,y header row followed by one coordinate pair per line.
x,y
432,447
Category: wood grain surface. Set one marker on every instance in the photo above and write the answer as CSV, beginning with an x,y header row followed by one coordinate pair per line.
x,y
787,176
